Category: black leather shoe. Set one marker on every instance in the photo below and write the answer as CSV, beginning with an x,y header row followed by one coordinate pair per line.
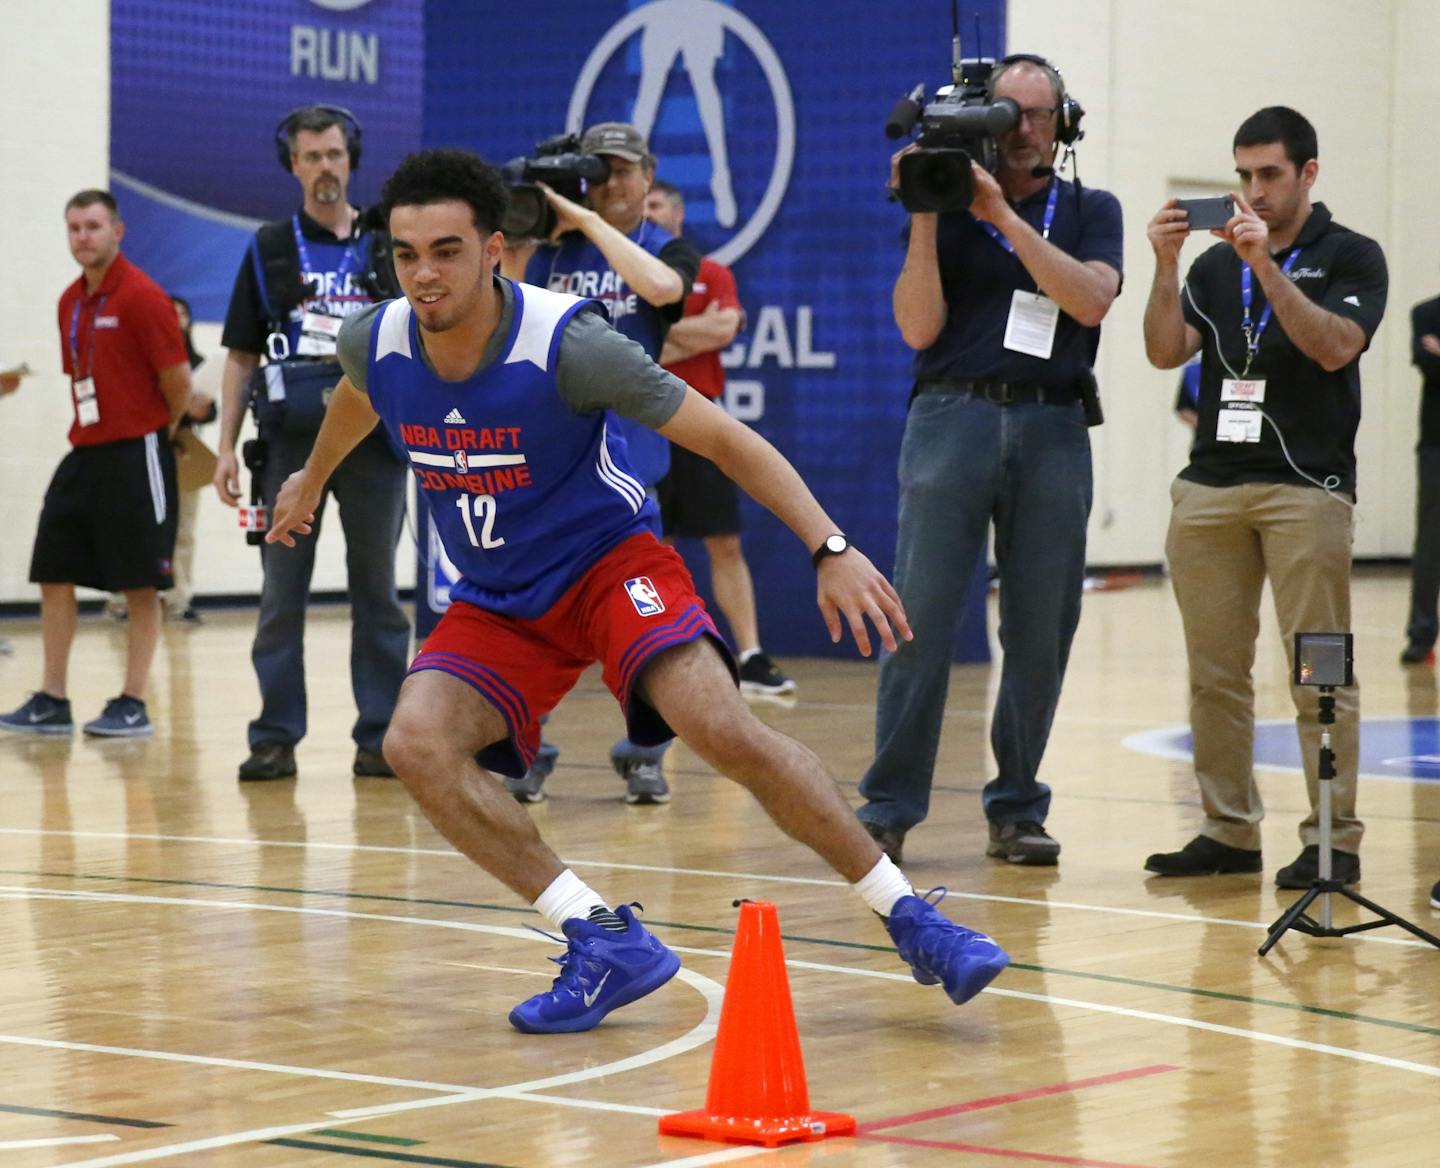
x,y
1203,856
890,839
371,764
1417,654
1435,896
1344,867
269,760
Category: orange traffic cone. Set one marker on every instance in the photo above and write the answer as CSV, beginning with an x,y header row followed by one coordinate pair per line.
x,y
757,1089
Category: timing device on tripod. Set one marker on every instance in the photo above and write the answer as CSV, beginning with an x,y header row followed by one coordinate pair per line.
x,y
1327,660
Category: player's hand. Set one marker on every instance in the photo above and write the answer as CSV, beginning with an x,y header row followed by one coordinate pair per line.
x,y
1431,344
1247,233
226,479
850,586
294,510
569,215
1167,231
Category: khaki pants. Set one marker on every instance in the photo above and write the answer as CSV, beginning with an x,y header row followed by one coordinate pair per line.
x,y
182,564
1222,543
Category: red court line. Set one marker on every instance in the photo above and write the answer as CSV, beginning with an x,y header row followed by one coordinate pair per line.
x,y
1014,1097
1011,1153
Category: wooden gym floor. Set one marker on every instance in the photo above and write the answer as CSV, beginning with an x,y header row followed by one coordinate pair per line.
x,y
199,972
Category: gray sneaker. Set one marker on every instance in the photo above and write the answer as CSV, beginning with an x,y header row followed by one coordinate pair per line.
x,y
644,780
530,787
1023,842
122,717
42,714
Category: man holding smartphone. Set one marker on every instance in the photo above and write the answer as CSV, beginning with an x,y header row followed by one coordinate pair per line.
x,y
1280,311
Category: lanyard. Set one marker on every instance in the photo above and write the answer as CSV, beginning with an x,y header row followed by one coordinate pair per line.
x,y
75,338
347,264
998,236
1253,333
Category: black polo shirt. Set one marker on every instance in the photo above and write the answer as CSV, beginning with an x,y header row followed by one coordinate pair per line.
x,y
1317,412
1425,320
979,276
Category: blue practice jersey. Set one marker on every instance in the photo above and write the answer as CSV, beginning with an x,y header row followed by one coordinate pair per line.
x,y
578,267
526,493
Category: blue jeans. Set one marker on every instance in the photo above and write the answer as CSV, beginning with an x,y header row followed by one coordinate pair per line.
x,y
369,487
963,464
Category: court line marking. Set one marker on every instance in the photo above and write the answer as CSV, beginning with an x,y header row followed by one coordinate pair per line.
x,y
1008,1153
55,1142
1015,1097
757,877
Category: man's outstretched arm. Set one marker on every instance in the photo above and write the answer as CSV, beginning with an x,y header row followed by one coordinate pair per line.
x,y
848,585
348,419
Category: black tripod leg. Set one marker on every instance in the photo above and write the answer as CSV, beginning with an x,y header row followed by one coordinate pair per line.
x,y
1389,917
1287,920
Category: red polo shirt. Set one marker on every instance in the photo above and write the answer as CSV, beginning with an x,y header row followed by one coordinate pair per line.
x,y
122,336
714,285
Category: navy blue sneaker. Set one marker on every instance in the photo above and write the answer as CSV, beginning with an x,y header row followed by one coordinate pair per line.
x,y
122,717
42,714
939,950
600,971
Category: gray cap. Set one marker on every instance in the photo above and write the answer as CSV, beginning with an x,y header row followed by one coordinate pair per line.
x,y
618,138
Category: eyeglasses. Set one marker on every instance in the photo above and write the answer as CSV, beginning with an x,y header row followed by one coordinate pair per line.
x,y
1039,116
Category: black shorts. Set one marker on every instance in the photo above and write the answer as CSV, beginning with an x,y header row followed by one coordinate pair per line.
x,y
696,498
109,517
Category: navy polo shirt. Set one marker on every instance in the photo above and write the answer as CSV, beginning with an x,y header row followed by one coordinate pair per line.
x,y
1317,411
978,277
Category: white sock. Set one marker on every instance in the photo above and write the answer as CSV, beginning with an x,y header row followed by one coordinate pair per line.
x,y
744,655
883,885
568,896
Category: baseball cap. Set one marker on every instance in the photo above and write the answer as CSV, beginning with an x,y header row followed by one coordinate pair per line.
x,y
618,138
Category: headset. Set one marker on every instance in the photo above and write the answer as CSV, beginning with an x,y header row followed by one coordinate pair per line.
x,y
348,123
1068,111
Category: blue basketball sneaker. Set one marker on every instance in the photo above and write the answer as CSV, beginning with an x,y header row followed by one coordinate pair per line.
x,y
600,971
939,950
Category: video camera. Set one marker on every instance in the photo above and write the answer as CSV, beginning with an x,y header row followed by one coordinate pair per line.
x,y
961,124
558,163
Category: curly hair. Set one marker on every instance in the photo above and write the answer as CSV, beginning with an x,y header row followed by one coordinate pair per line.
x,y
437,176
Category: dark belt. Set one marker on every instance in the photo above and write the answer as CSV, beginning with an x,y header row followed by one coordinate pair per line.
x,y
1000,393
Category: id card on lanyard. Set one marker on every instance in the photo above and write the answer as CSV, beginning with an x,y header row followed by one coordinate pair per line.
x,y
1034,317
1239,418
87,406
318,330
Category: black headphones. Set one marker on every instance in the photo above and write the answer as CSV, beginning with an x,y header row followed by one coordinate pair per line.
x,y
1068,111
347,122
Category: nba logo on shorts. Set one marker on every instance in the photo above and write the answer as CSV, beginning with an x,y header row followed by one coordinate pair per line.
x,y
643,596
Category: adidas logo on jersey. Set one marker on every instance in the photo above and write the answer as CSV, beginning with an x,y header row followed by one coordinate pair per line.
x,y
455,418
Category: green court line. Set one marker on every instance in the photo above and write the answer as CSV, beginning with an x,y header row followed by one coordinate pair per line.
x,y
368,1137
793,938
84,1116
375,1154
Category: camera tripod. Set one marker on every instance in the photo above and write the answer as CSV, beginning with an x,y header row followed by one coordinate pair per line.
x,y
1325,885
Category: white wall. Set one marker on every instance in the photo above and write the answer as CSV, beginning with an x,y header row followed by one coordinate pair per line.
x,y
1165,86
54,141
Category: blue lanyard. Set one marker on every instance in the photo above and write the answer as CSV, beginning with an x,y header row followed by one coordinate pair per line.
x,y
998,236
1255,332
75,337
347,264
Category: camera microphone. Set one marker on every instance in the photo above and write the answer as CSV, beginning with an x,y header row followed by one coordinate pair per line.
x,y
906,113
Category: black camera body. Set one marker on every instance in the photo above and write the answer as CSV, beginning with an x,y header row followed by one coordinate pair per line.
x,y
960,126
558,163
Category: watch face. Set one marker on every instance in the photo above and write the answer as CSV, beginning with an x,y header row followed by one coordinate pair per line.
x,y
836,544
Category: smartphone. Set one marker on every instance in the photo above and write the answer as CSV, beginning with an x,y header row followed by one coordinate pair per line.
x,y
1208,214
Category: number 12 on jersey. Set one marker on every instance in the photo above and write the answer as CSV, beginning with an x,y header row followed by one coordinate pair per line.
x,y
484,508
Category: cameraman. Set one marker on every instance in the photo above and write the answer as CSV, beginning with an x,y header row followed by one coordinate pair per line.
x,y
1280,311
642,274
299,278
995,433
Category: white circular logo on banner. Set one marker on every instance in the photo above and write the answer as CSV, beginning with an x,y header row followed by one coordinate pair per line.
x,y
694,30
340,5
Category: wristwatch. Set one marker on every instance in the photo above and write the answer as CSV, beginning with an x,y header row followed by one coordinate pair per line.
x,y
834,545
